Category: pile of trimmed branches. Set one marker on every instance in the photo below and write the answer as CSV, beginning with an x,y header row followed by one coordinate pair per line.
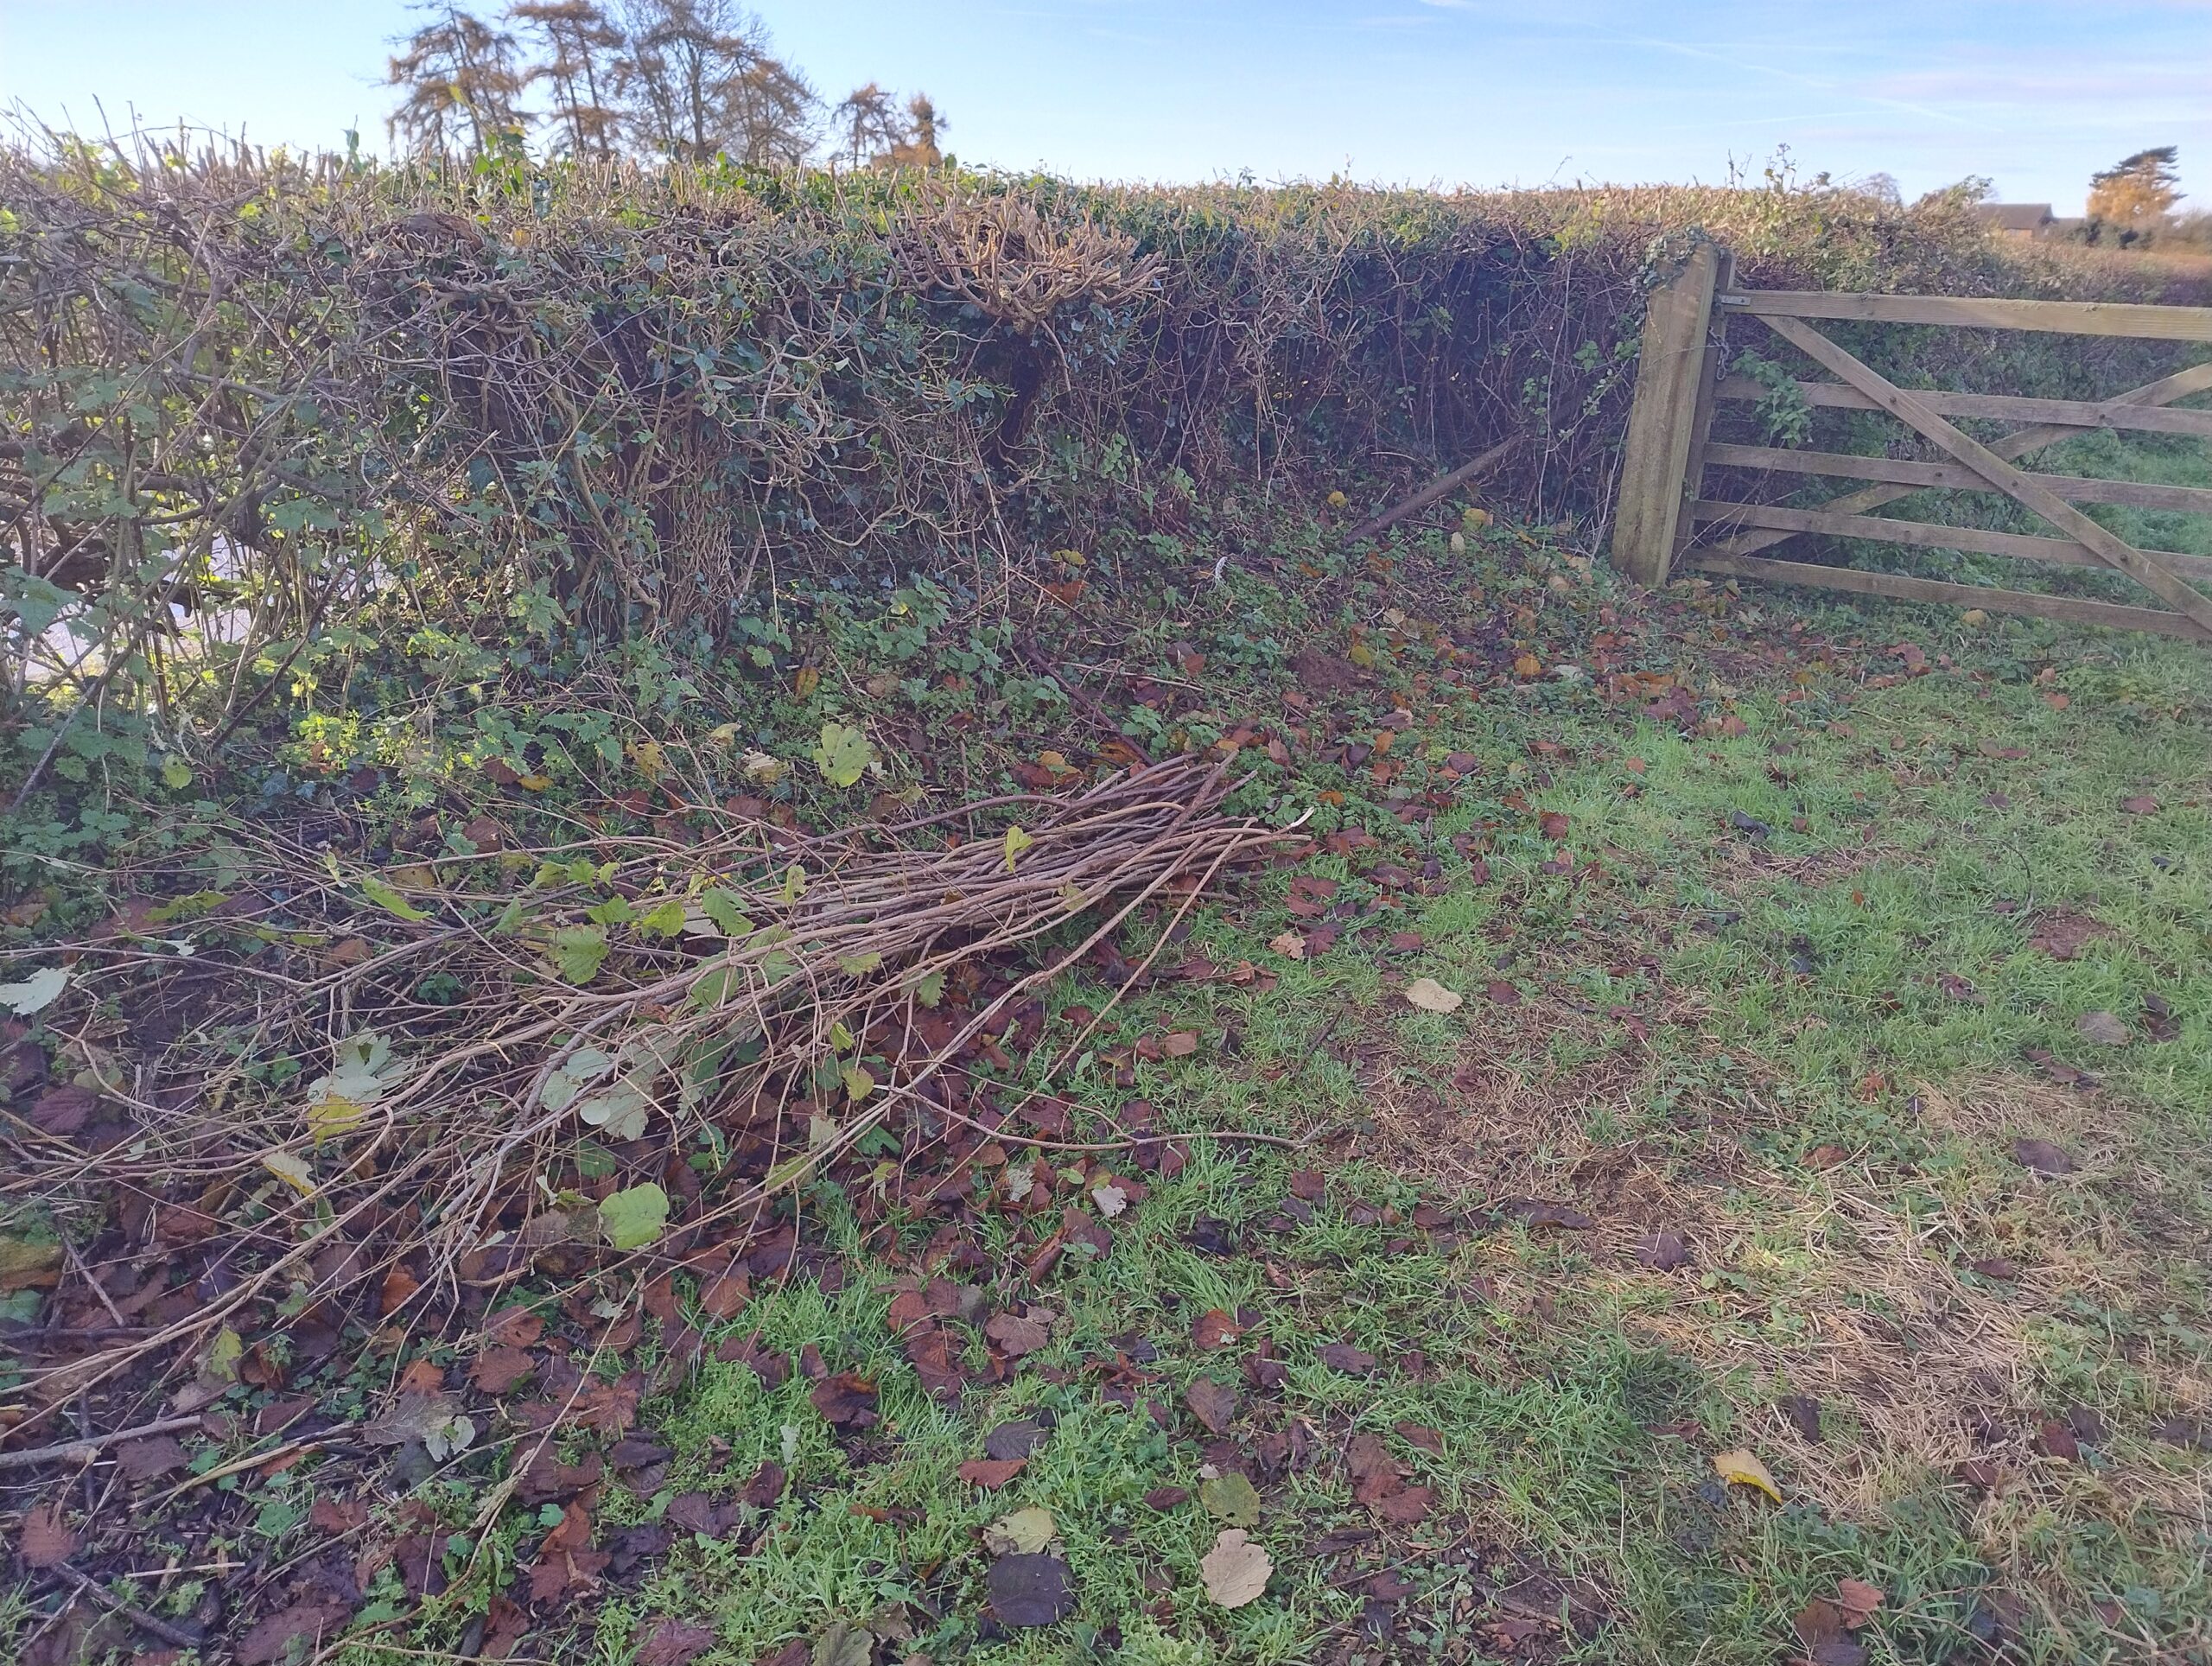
x,y
471,1064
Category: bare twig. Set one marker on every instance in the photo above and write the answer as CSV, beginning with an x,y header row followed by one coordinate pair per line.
x,y
86,1447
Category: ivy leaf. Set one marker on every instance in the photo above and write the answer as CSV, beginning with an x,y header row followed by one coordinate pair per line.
x,y
844,755
390,901
1016,843
579,951
633,1218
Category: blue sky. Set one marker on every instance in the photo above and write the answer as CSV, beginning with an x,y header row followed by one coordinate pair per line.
x,y
2033,93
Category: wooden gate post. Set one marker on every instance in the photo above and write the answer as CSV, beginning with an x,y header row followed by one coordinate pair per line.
x,y
1662,422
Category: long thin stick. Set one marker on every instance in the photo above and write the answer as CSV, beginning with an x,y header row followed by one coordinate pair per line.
x,y
173,1636
1429,493
87,1446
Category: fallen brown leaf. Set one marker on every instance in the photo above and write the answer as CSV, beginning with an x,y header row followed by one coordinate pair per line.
x,y
1236,1571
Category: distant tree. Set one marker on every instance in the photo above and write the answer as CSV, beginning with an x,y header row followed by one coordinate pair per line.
x,y
580,42
1882,187
459,85
770,114
918,147
867,123
698,80
2133,198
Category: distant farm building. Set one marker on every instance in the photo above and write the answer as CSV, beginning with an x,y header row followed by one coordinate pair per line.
x,y
2018,218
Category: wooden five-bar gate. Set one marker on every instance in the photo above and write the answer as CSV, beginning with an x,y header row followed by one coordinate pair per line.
x,y
1664,521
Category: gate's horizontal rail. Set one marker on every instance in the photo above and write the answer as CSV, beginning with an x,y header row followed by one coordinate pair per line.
x,y
2070,413
1900,471
2021,443
1923,535
2075,610
2061,317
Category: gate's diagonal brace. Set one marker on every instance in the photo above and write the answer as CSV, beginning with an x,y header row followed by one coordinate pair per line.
x,y
2022,442
2015,483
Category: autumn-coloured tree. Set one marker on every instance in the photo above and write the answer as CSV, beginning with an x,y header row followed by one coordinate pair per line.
x,y
917,147
769,113
580,42
461,86
2133,196
700,80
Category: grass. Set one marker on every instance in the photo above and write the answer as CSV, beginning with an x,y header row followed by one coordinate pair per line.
x,y
1782,972
1743,1036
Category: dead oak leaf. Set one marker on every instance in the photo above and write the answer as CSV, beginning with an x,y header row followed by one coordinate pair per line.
x,y
2103,1028
1430,996
674,1642
1406,1506
271,1637
847,1400
991,1474
2062,936
1029,1589
1016,1334
2042,1157
1859,1600
47,1540
498,1370
1215,1329
1214,1404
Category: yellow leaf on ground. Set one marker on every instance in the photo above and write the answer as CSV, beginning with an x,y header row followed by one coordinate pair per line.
x,y
1740,1468
290,1170
1431,997
332,1114
1025,1533
1016,843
